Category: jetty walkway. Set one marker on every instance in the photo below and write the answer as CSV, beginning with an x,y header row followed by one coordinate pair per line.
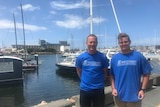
x,y
152,96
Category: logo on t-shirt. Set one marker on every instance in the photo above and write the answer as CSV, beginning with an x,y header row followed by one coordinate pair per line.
x,y
91,63
126,62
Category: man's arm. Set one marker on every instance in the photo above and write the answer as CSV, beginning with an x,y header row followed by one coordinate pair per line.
x,y
112,82
105,73
79,72
114,90
145,81
144,86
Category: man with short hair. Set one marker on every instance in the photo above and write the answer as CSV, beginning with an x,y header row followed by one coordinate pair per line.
x,y
92,67
127,68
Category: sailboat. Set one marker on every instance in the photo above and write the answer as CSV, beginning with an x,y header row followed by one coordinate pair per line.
x,y
10,69
28,64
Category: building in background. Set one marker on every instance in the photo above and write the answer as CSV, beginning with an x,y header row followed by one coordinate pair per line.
x,y
59,47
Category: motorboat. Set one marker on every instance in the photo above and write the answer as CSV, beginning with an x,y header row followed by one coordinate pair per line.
x,y
68,63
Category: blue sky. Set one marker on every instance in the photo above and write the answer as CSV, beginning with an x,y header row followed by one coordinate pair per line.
x,y
59,20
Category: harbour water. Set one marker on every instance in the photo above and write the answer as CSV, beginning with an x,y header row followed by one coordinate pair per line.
x,y
47,83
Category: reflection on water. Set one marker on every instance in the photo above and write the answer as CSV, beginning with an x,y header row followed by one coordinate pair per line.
x,y
68,75
70,82
73,76
47,84
11,96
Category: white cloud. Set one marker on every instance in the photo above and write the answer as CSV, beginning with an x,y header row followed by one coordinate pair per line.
x,y
73,21
96,20
34,28
52,12
7,24
29,7
62,5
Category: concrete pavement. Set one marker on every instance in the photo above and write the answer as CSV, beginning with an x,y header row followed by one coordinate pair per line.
x,y
152,98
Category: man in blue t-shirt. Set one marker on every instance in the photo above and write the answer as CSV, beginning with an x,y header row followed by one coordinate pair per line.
x,y
127,68
92,67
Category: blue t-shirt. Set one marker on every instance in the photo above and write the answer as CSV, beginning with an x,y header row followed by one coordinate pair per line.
x,y
127,70
92,65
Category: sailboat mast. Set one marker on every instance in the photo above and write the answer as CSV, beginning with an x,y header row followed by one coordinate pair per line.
x,y
91,19
15,31
155,38
115,15
23,32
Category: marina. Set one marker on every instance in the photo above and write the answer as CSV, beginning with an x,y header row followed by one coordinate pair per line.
x,y
62,26
48,84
